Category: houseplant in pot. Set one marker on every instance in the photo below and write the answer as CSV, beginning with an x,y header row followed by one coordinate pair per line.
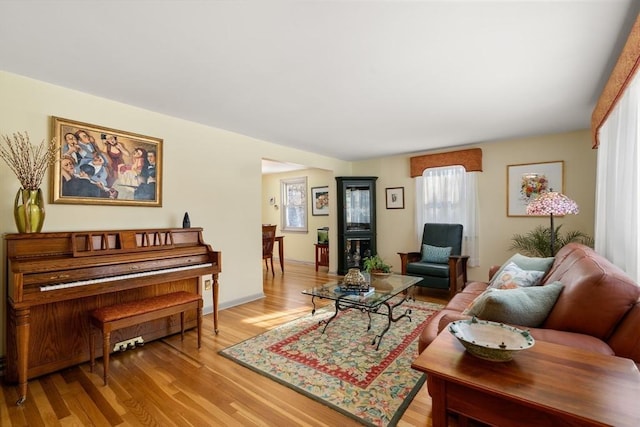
x,y
536,243
375,265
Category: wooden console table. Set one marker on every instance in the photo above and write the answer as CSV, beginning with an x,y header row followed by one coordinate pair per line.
x,y
322,255
548,384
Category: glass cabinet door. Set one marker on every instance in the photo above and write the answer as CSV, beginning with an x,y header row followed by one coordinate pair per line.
x,y
358,208
356,251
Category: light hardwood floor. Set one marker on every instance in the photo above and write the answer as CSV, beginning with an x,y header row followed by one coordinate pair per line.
x,y
171,383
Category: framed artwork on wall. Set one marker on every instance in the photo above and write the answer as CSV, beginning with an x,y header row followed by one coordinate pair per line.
x,y
104,166
526,181
319,201
395,197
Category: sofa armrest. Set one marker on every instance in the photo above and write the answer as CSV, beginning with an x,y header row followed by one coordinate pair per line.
x,y
450,317
406,258
493,270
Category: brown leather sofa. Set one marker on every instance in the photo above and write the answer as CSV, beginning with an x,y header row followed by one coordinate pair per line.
x,y
597,310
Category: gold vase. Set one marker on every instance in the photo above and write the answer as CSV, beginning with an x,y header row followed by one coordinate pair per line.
x,y
354,277
28,210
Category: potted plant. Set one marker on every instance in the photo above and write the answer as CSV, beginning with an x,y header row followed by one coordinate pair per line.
x,y
537,242
376,265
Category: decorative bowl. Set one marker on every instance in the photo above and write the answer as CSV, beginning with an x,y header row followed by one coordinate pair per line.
x,y
490,340
354,277
380,274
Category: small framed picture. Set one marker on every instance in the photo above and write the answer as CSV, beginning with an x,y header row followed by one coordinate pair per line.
x,y
319,201
527,181
395,198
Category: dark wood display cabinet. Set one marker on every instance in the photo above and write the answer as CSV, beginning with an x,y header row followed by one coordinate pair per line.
x,y
356,220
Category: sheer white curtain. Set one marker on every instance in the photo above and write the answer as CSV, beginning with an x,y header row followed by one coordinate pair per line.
x,y
618,185
449,195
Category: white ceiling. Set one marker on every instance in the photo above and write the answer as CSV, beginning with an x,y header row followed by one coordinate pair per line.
x,y
346,79
274,166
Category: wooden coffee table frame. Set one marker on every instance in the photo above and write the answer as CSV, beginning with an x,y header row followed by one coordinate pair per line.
x,y
548,384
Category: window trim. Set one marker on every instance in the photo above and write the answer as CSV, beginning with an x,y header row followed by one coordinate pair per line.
x,y
284,192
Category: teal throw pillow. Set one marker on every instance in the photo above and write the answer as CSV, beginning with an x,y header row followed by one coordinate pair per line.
x,y
435,254
513,276
521,306
526,263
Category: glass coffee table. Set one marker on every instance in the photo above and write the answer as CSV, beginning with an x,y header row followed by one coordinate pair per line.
x,y
378,302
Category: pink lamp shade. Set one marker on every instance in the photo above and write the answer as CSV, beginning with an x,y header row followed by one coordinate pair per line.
x,y
552,203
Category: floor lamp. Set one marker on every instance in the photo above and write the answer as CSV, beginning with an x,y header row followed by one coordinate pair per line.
x,y
552,203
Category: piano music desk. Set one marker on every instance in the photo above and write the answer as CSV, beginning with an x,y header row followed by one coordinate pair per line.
x,y
113,317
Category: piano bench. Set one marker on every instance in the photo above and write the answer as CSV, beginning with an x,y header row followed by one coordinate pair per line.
x,y
132,313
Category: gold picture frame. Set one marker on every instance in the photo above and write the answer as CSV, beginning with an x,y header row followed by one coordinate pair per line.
x,y
526,180
104,166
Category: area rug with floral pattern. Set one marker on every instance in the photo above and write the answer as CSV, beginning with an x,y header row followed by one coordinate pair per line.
x,y
340,367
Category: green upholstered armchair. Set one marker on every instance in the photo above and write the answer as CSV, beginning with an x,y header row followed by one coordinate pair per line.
x,y
439,266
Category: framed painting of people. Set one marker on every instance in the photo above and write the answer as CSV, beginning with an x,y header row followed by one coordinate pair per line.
x,y
103,166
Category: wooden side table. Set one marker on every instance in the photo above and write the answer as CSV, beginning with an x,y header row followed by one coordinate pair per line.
x,y
548,384
322,255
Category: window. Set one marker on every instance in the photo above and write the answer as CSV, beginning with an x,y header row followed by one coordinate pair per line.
x,y
293,193
618,174
449,195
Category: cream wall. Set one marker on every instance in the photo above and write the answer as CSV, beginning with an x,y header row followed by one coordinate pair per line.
x,y
299,246
213,174
396,226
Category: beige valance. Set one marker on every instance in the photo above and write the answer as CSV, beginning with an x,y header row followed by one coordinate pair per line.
x,y
620,78
470,159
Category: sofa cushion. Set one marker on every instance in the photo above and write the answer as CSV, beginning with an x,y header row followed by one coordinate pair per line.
x,y
435,254
513,276
596,294
521,306
525,263
475,287
462,300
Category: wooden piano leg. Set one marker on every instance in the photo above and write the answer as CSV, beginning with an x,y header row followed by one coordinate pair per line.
x,y
92,347
23,323
199,314
182,326
106,343
215,303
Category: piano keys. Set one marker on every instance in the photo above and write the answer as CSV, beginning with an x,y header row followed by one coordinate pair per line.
x,y
58,286
55,279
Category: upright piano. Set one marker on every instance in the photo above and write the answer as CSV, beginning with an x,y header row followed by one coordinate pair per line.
x,y
55,279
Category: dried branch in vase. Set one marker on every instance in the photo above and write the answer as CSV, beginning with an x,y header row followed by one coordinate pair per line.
x,y
28,162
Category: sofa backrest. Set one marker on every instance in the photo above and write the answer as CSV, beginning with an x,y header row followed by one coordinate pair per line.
x,y
596,294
